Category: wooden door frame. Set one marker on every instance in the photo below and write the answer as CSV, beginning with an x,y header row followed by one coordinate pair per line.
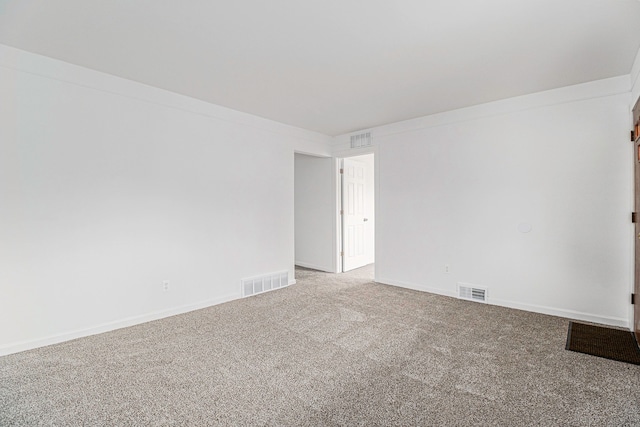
x,y
635,137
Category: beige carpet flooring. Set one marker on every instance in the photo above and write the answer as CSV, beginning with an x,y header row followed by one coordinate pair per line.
x,y
330,350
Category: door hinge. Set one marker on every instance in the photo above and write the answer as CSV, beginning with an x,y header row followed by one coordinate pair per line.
x,y
633,299
341,212
634,217
341,170
341,253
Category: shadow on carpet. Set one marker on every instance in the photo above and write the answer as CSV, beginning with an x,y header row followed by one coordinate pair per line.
x,y
614,344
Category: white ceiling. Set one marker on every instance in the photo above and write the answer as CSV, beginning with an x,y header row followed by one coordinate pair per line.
x,y
335,66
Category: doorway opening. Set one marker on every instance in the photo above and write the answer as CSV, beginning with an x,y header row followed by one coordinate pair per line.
x,y
356,217
314,211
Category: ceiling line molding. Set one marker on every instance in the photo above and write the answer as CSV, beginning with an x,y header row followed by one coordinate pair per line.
x,y
64,72
581,92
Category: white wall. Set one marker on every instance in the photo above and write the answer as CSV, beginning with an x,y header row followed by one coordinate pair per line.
x,y
635,79
314,211
454,187
109,187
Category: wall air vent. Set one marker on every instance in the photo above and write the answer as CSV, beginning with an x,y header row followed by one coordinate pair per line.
x,y
472,292
260,284
361,140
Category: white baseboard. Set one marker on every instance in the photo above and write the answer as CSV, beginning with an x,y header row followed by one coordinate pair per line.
x,y
314,267
561,312
136,320
110,326
416,287
552,311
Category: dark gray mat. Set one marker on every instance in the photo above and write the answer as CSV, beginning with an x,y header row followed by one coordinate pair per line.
x,y
610,343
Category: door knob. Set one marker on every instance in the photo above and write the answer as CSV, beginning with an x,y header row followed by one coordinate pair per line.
x,y
367,219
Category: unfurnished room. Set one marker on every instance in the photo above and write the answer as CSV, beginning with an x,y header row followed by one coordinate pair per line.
x,y
305,213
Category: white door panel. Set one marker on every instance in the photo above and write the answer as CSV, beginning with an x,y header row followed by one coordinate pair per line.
x,y
354,222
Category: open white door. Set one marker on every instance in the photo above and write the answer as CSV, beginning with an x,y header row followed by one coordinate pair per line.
x,y
354,222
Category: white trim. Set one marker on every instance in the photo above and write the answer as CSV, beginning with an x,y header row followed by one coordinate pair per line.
x,y
416,287
340,213
111,326
376,208
559,312
314,267
317,150
337,219
354,152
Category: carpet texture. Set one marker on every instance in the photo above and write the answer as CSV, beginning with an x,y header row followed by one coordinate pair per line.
x,y
330,350
610,343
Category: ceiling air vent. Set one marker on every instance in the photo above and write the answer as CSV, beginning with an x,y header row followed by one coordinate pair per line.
x,y
361,140
472,292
